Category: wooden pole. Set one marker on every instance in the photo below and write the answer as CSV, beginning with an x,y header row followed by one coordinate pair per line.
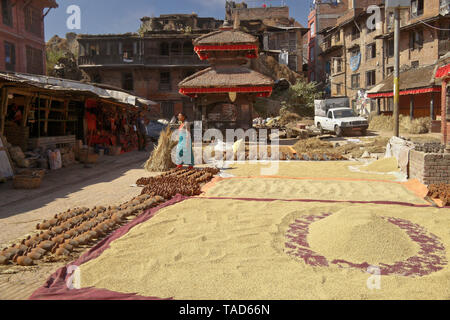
x,y
396,72
66,115
444,111
411,107
26,110
48,105
432,117
4,109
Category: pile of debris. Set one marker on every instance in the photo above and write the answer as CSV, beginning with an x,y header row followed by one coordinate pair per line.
x,y
430,147
441,192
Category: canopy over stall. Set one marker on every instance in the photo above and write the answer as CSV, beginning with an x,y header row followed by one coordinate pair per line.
x,y
54,102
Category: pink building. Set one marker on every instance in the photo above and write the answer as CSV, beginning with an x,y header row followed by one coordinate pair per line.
x,y
22,40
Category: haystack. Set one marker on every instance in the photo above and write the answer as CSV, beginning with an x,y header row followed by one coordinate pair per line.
x,y
161,158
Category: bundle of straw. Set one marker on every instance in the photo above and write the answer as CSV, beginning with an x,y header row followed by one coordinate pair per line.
x,y
160,158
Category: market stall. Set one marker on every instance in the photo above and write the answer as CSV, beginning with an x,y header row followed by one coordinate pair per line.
x,y
44,118
111,127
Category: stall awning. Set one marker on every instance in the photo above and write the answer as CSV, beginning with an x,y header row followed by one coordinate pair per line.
x,y
65,86
443,71
403,92
412,81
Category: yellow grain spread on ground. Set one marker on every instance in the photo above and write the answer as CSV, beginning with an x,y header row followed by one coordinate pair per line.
x,y
229,249
313,189
360,237
307,169
383,165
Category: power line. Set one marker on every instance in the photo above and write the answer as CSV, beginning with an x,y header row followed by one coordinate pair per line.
x,y
431,26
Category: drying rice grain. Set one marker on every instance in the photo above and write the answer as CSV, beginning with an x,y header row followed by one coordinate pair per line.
x,y
224,249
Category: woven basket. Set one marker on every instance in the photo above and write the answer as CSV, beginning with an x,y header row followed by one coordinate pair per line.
x,y
33,172
91,157
27,181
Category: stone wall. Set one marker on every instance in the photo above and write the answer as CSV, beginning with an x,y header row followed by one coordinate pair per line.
x,y
429,168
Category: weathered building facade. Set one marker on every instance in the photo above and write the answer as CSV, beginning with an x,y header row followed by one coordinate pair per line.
x,y
149,63
358,57
22,35
323,15
279,35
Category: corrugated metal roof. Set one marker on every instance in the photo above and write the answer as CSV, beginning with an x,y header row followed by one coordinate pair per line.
x,y
71,86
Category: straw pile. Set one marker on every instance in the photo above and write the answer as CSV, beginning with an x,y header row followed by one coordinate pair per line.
x,y
287,117
312,145
356,150
161,158
386,123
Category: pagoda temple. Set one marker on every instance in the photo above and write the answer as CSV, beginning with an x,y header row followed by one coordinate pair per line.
x,y
225,92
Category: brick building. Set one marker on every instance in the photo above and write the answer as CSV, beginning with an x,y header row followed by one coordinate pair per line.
x,y
22,35
323,15
278,33
358,59
149,63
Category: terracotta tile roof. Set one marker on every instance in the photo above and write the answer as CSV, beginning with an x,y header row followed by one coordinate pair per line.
x,y
226,76
226,37
410,79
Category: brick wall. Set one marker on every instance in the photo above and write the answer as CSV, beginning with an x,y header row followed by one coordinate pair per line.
x,y
429,168
21,38
261,13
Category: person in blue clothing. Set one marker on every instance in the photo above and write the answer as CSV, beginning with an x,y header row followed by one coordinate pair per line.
x,y
185,154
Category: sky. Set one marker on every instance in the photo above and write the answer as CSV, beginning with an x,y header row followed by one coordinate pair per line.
x,y
121,16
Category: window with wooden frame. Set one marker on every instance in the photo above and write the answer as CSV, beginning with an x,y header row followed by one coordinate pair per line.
x,y
7,15
389,104
127,81
390,48
444,32
33,20
188,48
337,65
167,109
371,51
390,70
165,81
355,81
417,8
355,33
371,78
175,48
416,39
10,56
35,60
337,36
338,89
164,49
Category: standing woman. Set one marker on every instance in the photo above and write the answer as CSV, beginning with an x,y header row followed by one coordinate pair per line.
x,y
185,154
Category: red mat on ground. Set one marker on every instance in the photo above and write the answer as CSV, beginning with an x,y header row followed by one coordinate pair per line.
x,y
56,288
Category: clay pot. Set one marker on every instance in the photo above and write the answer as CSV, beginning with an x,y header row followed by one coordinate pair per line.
x,y
46,245
3,260
43,225
23,260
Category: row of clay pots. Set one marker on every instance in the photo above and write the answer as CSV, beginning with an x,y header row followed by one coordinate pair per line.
x,y
66,235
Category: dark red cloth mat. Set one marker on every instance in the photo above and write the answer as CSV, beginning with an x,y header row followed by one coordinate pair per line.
x,y
407,204
56,289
